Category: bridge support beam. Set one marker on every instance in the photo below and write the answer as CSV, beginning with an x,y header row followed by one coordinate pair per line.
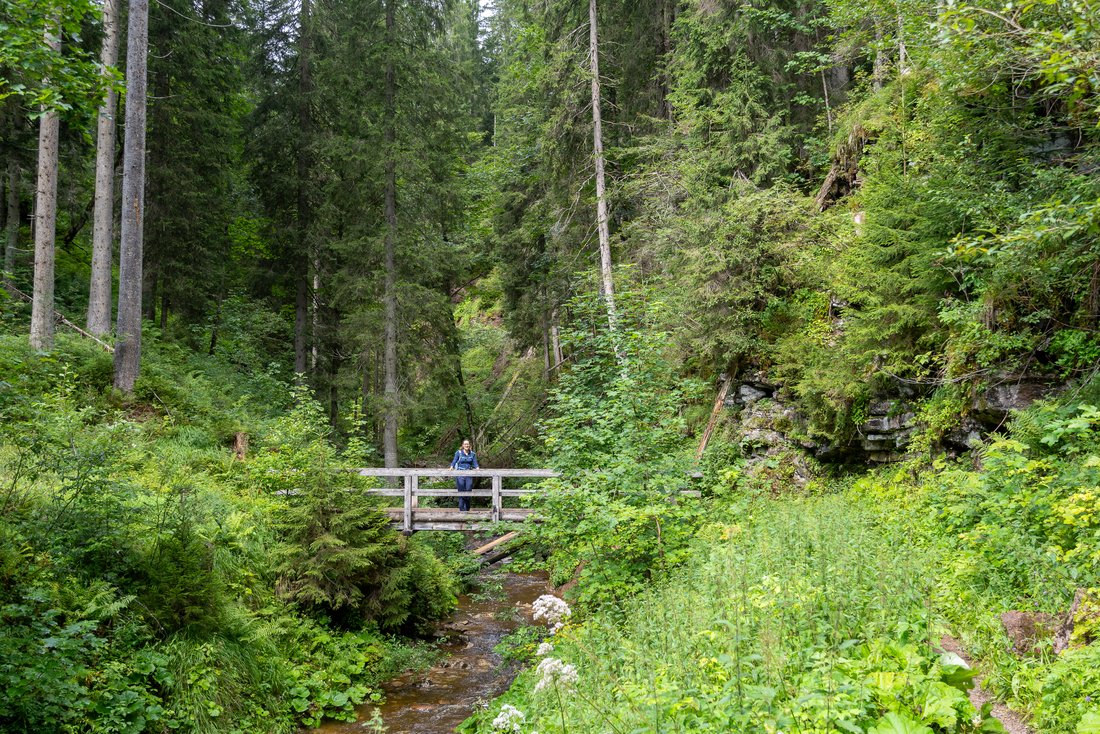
x,y
407,524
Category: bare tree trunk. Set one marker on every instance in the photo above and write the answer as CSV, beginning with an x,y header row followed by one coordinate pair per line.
x,y
99,290
334,362
45,212
668,16
555,340
150,284
155,273
607,286
11,240
301,318
544,327
305,129
878,72
128,348
315,316
903,54
391,396
217,321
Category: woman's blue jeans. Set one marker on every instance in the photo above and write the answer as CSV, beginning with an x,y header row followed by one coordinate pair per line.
x,y
464,484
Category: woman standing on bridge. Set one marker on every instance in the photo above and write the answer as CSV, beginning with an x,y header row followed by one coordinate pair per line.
x,y
465,459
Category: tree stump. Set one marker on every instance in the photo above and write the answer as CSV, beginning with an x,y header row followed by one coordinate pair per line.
x,y
240,445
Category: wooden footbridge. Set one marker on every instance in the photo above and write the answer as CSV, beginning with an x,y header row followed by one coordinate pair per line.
x,y
411,516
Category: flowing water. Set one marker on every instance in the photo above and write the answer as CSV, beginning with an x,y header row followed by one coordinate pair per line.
x,y
436,701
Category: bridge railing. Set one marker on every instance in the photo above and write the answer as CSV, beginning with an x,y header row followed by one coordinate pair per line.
x,y
410,491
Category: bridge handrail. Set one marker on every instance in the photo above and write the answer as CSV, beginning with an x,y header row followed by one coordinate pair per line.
x,y
414,472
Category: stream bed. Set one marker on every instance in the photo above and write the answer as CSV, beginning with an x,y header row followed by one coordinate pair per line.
x,y
438,700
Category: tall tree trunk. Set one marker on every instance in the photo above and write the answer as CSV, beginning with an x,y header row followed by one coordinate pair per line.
x,y
128,347
305,130
155,275
668,16
455,348
547,364
878,70
150,289
555,340
45,213
607,286
11,239
217,321
391,396
99,291
903,54
301,318
315,317
333,362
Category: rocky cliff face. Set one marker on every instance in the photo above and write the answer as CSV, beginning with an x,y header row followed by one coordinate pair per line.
x,y
885,434
772,432
766,428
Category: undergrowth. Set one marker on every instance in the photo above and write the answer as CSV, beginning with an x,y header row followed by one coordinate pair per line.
x,y
152,581
798,616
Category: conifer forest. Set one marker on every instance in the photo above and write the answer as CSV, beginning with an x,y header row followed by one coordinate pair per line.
x,y
773,327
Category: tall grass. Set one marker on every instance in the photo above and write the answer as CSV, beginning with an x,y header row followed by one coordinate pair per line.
x,y
805,615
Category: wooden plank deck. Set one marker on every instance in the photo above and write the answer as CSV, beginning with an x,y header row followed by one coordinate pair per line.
x,y
423,516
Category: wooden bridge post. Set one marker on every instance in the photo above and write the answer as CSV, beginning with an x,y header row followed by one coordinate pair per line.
x,y
407,526
497,482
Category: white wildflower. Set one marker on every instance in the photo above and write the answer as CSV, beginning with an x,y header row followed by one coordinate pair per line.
x,y
509,719
551,609
556,628
544,649
553,672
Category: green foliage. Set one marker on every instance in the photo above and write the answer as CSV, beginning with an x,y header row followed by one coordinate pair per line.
x,y
615,433
340,556
140,562
791,616
1019,532
33,72
729,93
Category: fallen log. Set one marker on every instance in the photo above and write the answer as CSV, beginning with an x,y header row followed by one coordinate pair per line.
x,y
493,544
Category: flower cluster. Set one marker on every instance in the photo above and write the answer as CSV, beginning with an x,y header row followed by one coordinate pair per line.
x,y
553,610
553,672
510,719
545,648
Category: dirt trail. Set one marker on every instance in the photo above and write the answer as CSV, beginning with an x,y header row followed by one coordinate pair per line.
x,y
979,696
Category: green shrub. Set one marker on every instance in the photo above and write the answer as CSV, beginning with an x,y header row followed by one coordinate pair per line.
x,y
139,558
615,433
340,557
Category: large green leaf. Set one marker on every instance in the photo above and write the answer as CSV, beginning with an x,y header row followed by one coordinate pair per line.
x,y
1089,723
941,702
956,672
893,723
